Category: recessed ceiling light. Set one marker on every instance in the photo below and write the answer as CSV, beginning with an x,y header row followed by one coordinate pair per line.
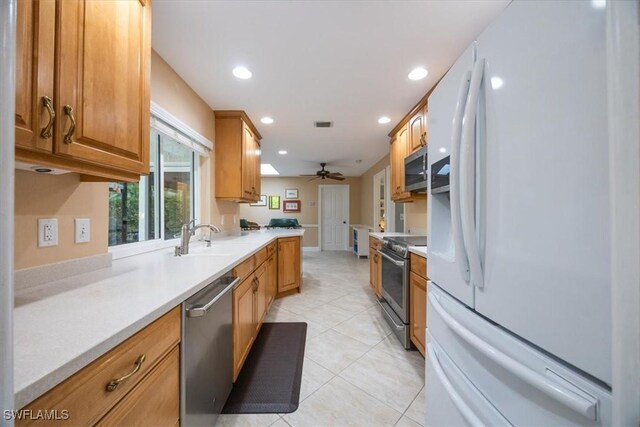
x,y
268,169
443,150
496,83
599,4
282,152
242,72
266,120
384,120
418,73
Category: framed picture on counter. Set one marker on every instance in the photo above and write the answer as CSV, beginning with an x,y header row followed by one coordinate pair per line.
x,y
274,202
291,193
261,202
291,206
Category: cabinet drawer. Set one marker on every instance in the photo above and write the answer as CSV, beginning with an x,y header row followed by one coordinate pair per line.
x,y
85,394
419,265
245,268
153,402
261,256
374,243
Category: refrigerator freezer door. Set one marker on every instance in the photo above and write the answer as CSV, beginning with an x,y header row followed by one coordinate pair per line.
x,y
542,181
452,399
524,385
448,264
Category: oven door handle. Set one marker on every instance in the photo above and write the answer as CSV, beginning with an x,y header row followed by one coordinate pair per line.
x,y
398,327
396,262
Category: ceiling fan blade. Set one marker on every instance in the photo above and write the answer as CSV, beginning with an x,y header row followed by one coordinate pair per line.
x,y
335,174
337,178
312,178
315,174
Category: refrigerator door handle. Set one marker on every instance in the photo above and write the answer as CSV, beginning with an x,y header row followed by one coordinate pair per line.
x,y
467,175
457,400
459,249
582,405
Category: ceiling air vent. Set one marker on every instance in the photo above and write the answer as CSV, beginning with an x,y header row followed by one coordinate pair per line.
x,y
323,124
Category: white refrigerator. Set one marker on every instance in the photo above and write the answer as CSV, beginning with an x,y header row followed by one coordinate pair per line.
x,y
519,317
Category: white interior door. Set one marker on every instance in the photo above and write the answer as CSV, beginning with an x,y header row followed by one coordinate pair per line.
x,y
334,214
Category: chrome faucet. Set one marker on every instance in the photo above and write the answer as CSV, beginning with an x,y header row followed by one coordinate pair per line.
x,y
187,231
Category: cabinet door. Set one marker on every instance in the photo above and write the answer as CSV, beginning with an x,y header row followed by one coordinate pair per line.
x,y
272,279
102,70
372,269
256,167
393,162
248,162
35,31
416,129
402,151
154,402
261,295
418,310
378,281
288,263
425,131
243,322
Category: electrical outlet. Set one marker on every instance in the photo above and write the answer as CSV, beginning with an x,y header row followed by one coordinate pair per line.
x,y
83,230
47,232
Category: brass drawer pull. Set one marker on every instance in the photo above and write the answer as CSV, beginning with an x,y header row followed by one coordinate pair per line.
x,y
48,104
68,110
114,383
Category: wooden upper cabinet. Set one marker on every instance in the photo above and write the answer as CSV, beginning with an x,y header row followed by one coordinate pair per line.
x,y
248,162
237,150
288,264
393,161
417,130
35,44
103,73
399,150
82,86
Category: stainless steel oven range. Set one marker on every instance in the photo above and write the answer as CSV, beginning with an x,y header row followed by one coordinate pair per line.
x,y
395,283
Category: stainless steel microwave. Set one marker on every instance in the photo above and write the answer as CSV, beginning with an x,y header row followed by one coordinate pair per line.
x,y
415,171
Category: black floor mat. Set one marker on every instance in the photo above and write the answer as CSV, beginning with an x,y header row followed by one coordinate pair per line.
x,y
270,378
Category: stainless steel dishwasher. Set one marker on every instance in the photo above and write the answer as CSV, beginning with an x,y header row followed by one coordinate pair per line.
x,y
206,375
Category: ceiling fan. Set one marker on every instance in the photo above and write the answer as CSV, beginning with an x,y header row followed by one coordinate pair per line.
x,y
324,174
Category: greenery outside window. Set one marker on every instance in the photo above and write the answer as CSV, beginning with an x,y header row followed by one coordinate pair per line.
x,y
156,207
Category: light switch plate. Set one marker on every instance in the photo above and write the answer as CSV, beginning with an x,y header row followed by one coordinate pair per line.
x,y
47,232
83,230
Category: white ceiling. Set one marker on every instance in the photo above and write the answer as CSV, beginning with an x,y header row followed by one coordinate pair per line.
x,y
340,61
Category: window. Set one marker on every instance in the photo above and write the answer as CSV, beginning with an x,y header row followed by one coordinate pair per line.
x,y
156,207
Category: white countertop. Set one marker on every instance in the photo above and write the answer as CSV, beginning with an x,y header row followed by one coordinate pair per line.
x,y
418,250
62,326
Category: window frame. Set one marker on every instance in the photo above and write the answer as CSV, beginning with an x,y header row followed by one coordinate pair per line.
x,y
136,248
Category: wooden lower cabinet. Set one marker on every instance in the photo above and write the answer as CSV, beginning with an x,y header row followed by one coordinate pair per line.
x,y
375,266
278,263
375,271
244,322
150,396
418,310
261,295
288,264
272,279
155,401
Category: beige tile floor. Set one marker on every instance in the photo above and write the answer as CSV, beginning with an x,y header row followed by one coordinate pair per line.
x,y
355,372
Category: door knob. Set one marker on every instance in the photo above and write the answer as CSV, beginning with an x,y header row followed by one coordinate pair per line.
x,y
344,222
